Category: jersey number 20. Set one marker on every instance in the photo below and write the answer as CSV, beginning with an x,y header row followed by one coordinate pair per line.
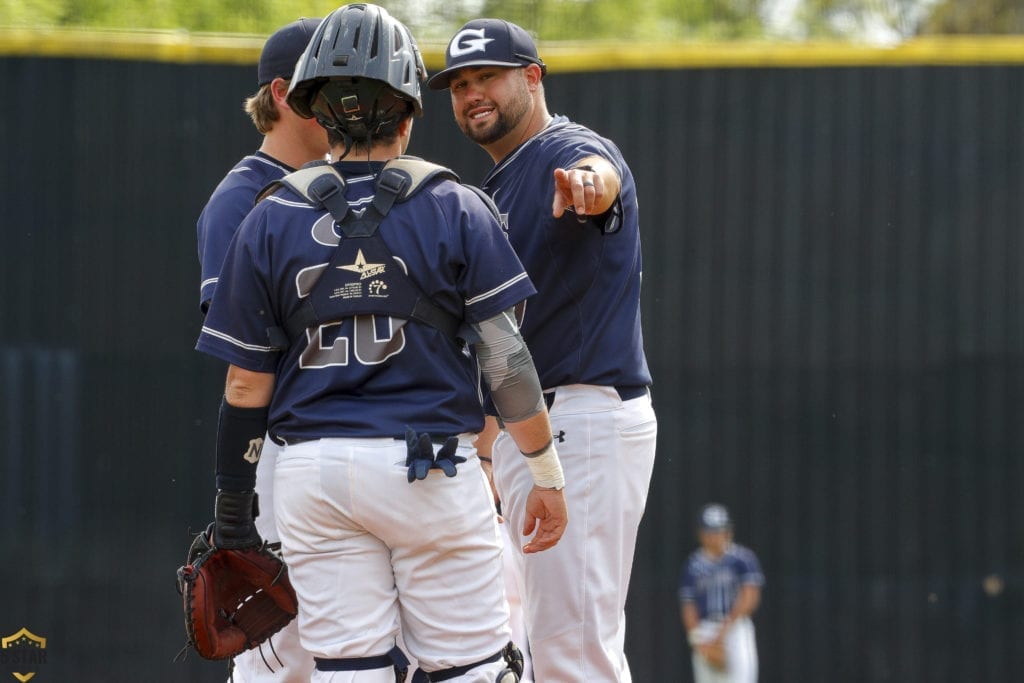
x,y
373,340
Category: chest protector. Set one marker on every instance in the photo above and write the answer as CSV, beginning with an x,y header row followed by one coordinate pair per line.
x,y
363,277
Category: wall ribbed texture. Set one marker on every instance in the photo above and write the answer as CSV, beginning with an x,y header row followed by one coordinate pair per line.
x,y
834,315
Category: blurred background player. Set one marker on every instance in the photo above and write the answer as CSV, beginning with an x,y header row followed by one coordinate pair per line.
x,y
373,398
569,200
289,141
720,588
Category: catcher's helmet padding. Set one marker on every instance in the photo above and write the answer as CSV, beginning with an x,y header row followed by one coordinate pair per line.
x,y
374,67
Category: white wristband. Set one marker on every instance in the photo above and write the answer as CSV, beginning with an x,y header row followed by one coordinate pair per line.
x,y
546,468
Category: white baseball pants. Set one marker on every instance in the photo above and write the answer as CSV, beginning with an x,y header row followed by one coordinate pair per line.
x,y
370,553
740,653
281,659
575,593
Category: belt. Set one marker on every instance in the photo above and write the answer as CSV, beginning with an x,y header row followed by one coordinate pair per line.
x,y
625,393
295,440
395,657
421,676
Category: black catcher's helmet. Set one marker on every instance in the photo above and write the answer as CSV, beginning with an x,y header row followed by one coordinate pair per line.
x,y
360,74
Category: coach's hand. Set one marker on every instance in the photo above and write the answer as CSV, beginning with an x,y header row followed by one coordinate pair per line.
x,y
588,189
546,514
579,190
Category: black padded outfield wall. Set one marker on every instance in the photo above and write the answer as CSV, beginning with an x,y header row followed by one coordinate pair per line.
x,y
834,315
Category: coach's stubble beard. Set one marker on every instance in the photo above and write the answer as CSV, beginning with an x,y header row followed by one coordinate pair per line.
x,y
508,117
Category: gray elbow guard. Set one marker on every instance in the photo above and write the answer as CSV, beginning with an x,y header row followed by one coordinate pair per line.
x,y
507,366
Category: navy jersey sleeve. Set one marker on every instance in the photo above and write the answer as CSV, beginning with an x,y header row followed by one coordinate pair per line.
x,y
216,227
581,146
228,205
749,568
235,329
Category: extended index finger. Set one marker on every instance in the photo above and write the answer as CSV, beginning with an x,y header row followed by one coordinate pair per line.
x,y
563,196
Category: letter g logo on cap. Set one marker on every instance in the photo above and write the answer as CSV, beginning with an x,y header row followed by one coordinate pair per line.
x,y
468,41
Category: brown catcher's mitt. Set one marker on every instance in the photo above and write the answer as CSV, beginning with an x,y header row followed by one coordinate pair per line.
x,y
234,599
714,653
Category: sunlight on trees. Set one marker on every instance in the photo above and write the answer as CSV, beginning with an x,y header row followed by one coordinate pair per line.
x,y
433,21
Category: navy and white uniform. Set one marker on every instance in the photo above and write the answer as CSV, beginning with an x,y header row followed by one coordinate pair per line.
x,y
356,534
583,330
281,659
712,586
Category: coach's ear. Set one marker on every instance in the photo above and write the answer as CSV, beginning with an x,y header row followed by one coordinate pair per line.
x,y
534,74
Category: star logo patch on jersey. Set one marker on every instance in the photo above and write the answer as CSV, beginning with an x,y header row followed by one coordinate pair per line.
x,y
364,269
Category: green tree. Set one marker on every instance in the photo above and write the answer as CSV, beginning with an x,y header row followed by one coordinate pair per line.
x,y
976,16
26,12
889,20
433,21
663,20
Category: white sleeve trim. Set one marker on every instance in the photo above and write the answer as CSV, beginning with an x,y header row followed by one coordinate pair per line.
x,y
235,342
497,290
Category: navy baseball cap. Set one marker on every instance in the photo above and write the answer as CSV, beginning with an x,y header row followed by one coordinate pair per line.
x,y
715,517
283,49
487,42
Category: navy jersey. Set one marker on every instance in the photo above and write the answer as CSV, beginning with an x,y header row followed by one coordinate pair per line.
x,y
584,326
371,375
232,199
712,585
